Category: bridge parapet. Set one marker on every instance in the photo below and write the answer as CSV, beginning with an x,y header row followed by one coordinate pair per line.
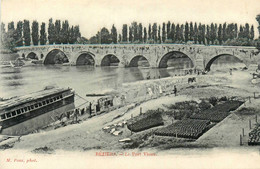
x,y
200,55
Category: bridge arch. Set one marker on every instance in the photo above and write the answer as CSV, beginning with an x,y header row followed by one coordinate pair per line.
x,y
32,55
214,58
55,56
174,55
110,60
134,61
85,58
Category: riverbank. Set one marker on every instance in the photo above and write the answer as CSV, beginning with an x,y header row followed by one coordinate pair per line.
x,y
90,134
8,56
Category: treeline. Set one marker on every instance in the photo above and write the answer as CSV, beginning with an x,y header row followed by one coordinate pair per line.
x,y
258,42
213,34
24,34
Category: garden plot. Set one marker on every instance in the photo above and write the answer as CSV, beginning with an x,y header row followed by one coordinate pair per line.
x,y
187,128
145,121
254,136
218,112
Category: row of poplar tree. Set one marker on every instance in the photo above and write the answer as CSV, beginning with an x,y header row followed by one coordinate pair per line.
x,y
60,32
23,35
178,33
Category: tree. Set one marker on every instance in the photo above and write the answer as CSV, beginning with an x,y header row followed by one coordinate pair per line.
x,y
7,39
235,31
225,37
252,33
11,32
124,33
104,36
196,33
182,33
3,33
119,38
130,35
35,33
191,36
168,29
57,32
247,31
200,34
114,34
159,35
10,26
145,35
203,34
163,33
83,40
258,20
212,33
43,36
26,33
77,34
72,36
94,40
187,32
220,34
64,33
140,32
173,33
149,32
51,32
154,32
135,30
19,34
241,32
178,32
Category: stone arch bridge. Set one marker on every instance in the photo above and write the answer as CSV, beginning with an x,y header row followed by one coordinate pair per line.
x,y
128,55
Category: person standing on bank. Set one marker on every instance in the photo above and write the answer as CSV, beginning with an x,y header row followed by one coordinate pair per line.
x,y
175,90
90,109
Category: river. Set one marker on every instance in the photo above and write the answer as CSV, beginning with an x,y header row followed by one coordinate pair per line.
x,y
84,80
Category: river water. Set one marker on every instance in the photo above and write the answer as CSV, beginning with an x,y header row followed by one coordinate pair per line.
x,y
83,79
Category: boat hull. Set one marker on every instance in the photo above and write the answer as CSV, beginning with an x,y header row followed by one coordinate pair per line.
x,y
37,119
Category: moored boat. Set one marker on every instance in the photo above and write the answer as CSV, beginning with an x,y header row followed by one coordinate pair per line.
x,y
24,114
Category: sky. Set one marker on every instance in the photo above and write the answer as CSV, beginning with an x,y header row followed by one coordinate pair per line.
x,y
92,15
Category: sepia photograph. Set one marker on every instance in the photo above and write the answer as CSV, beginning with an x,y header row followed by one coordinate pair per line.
x,y
92,84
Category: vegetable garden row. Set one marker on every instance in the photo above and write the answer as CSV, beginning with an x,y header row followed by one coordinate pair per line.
x,y
218,112
148,120
187,128
254,136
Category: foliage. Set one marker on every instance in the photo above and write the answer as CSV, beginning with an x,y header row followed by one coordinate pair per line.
x,y
124,33
180,110
114,34
239,42
51,32
35,33
43,36
60,32
258,20
19,34
26,33
213,100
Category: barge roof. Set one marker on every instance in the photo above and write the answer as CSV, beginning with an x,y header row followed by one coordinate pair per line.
x,y
17,100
